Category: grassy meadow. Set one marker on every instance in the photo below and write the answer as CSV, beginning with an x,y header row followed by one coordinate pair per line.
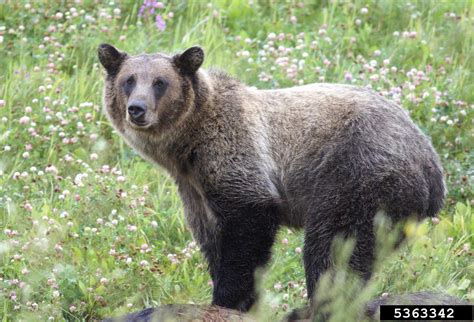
x,y
88,229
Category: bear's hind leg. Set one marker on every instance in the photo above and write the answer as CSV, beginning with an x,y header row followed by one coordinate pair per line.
x,y
363,254
317,254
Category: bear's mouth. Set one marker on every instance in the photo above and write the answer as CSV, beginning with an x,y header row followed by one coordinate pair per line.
x,y
140,125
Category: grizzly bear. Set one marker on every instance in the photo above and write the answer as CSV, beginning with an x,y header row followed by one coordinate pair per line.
x,y
321,157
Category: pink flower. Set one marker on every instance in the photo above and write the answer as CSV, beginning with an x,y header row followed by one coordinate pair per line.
x,y
24,120
435,220
51,169
160,23
277,286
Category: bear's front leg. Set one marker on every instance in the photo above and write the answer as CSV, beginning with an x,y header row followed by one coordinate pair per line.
x,y
246,236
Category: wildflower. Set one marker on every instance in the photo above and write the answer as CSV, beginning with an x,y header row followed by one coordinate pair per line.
x,y
374,77
28,207
2,103
24,120
277,286
160,23
298,250
143,263
17,257
51,169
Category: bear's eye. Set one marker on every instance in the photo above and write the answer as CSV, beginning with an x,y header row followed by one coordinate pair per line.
x,y
130,81
159,83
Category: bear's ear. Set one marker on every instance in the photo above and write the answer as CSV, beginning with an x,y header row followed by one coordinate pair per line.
x,y
190,60
111,58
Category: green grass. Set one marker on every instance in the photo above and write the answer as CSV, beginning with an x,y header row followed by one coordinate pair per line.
x,y
72,236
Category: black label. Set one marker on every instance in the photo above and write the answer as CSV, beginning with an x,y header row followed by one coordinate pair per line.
x,y
426,312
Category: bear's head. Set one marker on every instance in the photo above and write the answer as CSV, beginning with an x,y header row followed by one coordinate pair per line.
x,y
150,93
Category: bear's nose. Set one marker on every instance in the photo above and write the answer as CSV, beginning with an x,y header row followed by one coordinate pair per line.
x,y
137,110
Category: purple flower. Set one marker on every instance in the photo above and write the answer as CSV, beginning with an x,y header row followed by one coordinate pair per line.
x,y
140,12
160,23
